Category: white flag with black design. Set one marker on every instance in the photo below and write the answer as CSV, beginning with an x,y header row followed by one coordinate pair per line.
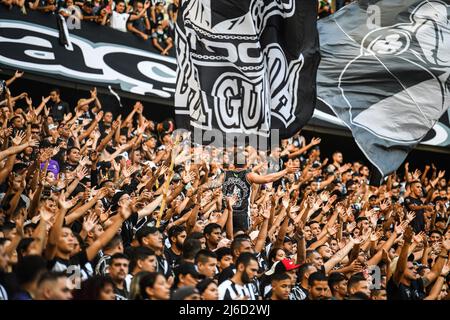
x,y
246,66
385,72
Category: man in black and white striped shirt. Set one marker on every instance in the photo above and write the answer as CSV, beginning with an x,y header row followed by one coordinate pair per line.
x,y
240,286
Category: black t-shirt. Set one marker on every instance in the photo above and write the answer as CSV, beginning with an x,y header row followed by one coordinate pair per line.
x,y
78,263
173,259
58,110
416,291
121,294
418,224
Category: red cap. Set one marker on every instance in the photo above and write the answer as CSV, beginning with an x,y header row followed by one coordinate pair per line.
x,y
289,264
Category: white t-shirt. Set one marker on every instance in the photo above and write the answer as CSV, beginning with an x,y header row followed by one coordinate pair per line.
x,y
119,21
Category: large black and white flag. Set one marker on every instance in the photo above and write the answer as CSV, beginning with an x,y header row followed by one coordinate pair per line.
x,y
246,66
385,72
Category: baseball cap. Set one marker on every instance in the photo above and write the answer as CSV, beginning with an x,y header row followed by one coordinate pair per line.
x,y
282,266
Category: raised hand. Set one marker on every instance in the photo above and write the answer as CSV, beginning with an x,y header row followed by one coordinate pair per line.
x,y
315,141
93,93
441,174
90,221
187,177
99,116
17,140
81,173
18,74
350,227
410,216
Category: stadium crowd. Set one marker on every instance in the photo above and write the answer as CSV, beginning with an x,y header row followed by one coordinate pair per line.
x,y
151,20
99,206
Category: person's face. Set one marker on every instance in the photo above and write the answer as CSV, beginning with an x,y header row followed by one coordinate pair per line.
x,y
151,143
74,156
246,246
54,96
316,259
124,199
288,246
180,240
416,189
211,292
314,186
15,182
281,254
282,289
325,252
365,171
118,269
338,158
208,269
148,264
4,258
308,233
160,290
249,273
225,262
188,280
154,241
362,287
59,291
315,229
139,6
318,290
334,246
66,241
137,157
6,112
410,272
381,295
120,7
435,237
18,123
293,275
215,236
107,293
122,139
108,117
341,288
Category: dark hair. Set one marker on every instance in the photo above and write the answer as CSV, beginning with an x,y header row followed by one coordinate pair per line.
x,y
245,259
140,253
222,252
272,255
303,269
30,268
114,242
51,277
280,277
204,284
145,231
236,244
204,255
175,231
335,278
58,92
118,256
195,235
148,280
354,279
23,246
316,276
436,231
190,248
91,288
210,227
